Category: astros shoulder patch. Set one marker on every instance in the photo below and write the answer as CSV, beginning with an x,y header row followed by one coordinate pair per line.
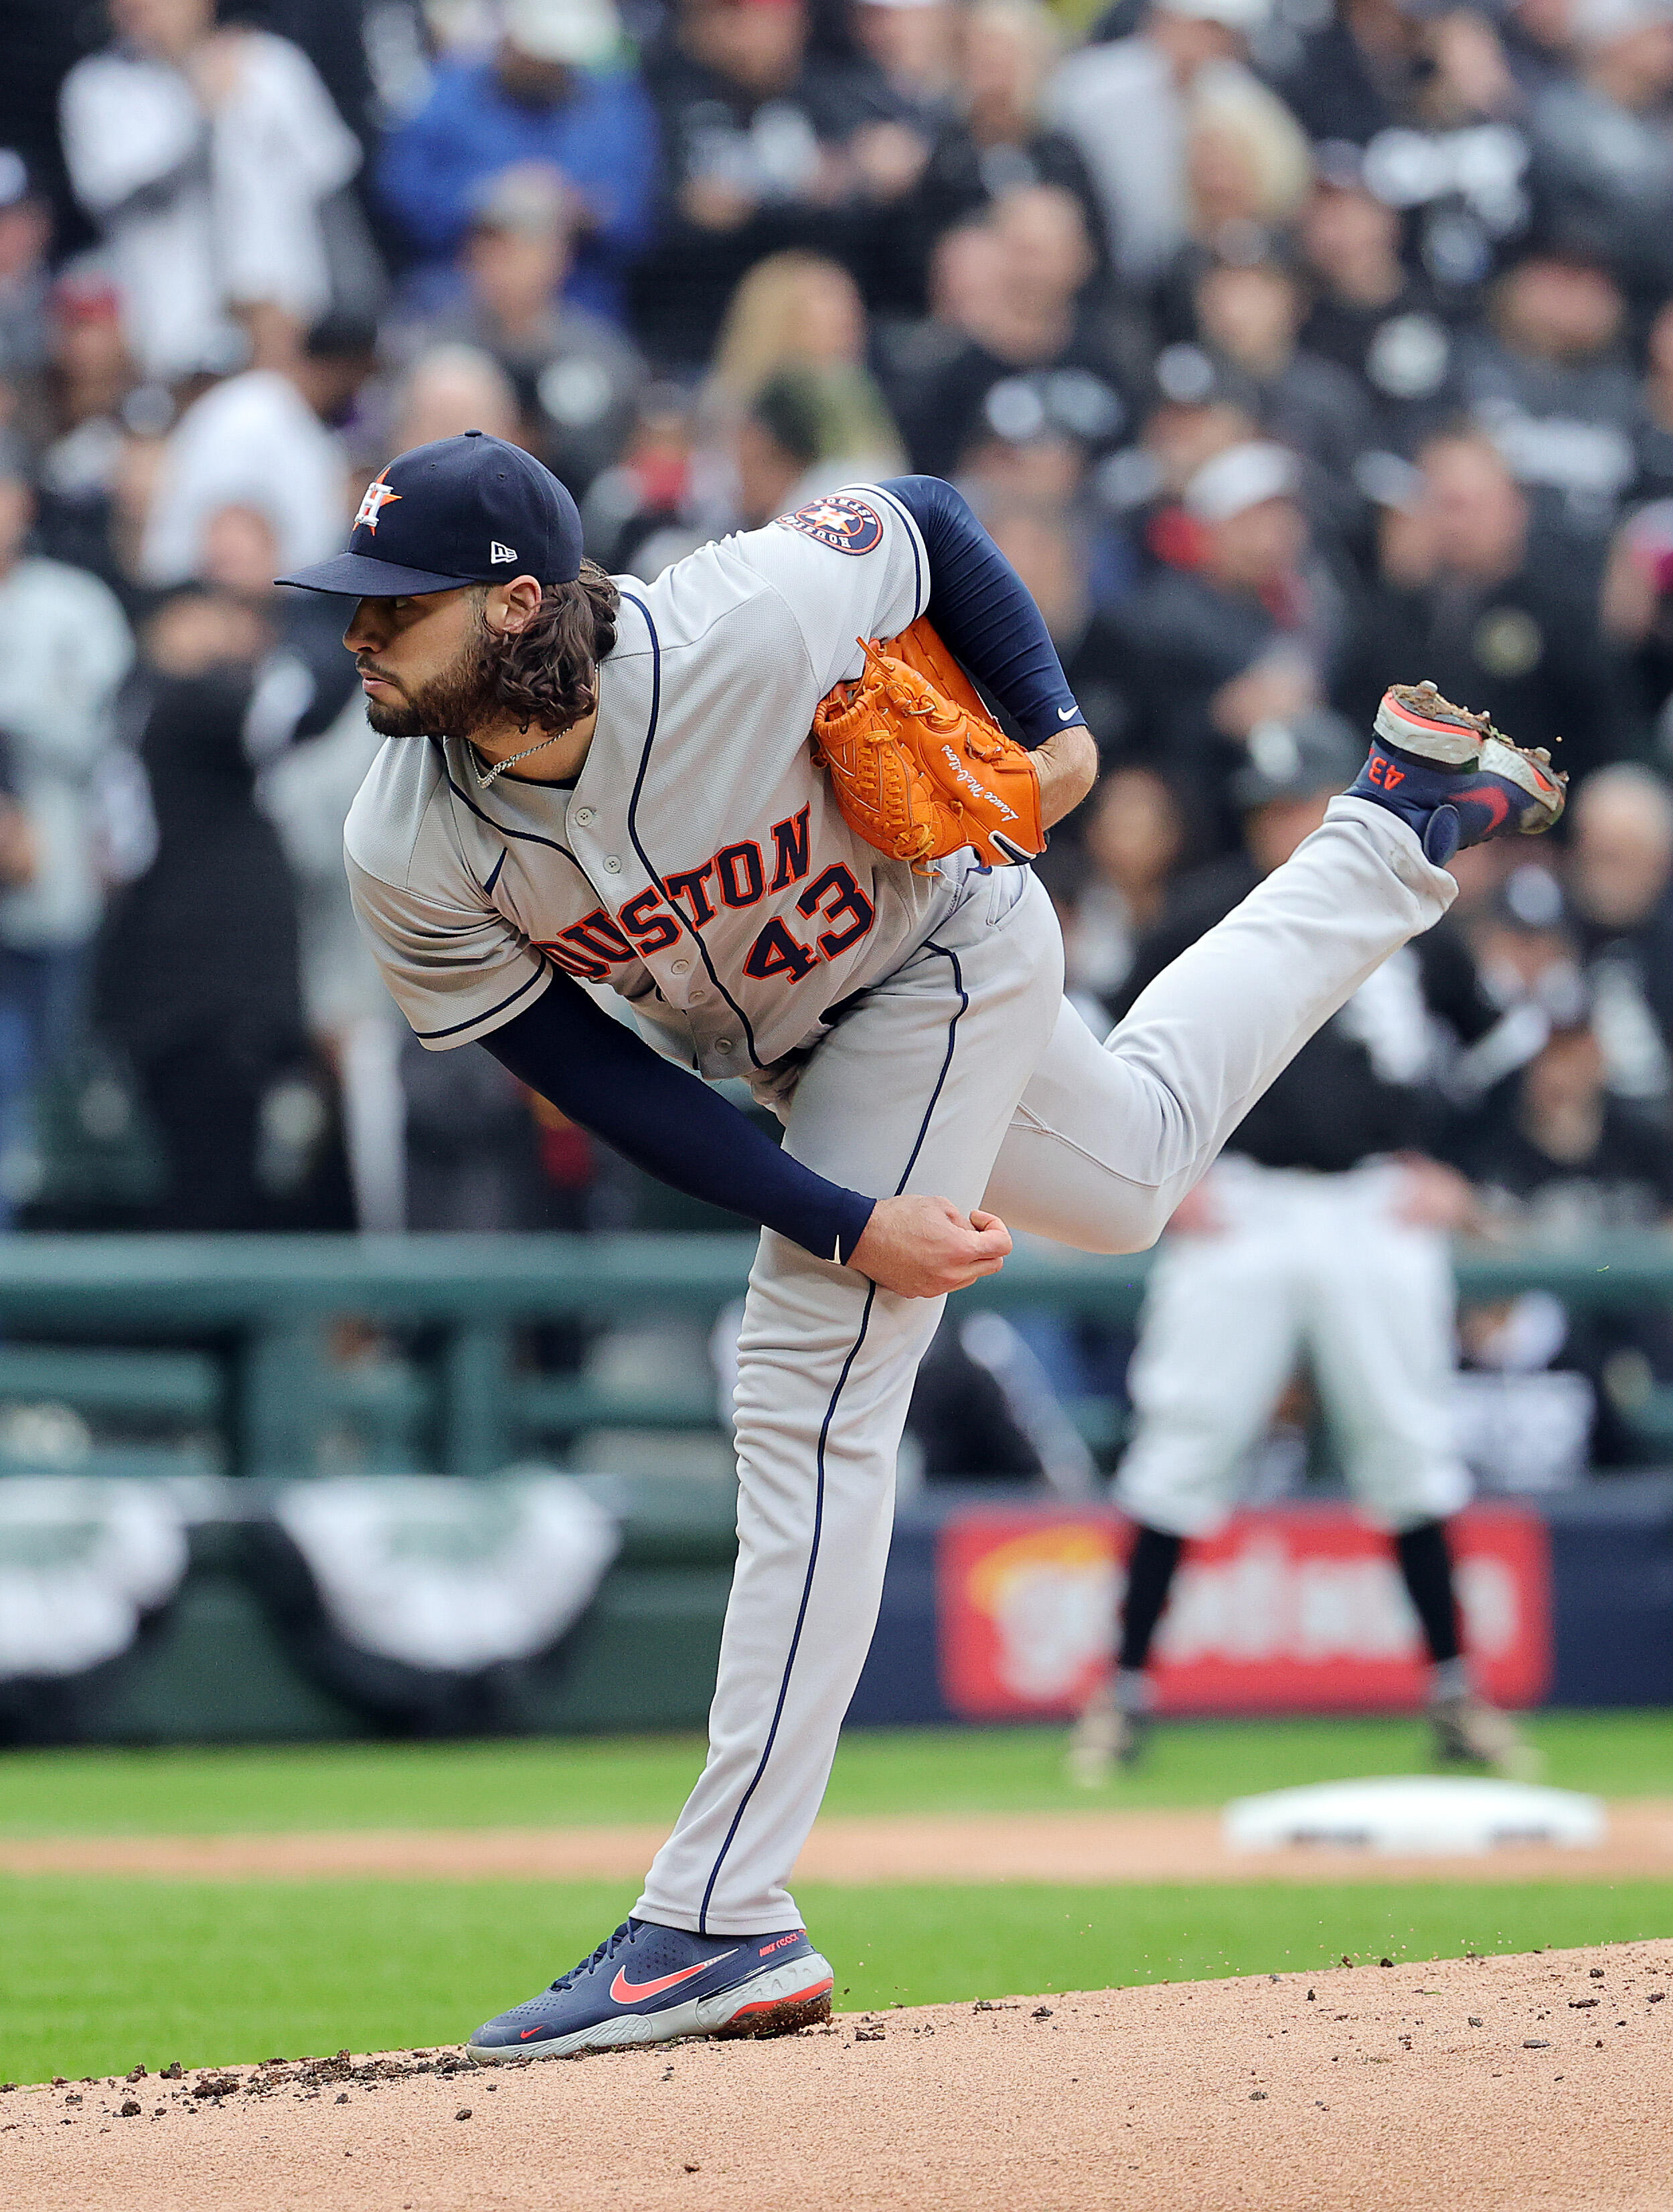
x,y
846,525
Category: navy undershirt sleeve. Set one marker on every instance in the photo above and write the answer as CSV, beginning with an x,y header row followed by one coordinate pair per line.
x,y
605,1076
981,607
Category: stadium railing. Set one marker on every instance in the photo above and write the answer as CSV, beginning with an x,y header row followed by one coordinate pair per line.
x,y
252,1337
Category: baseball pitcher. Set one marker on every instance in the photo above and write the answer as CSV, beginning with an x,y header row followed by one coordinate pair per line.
x,y
760,800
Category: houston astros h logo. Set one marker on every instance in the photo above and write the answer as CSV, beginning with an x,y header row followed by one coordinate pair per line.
x,y
378,496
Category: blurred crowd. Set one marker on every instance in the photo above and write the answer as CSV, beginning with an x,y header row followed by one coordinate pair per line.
x,y
1286,350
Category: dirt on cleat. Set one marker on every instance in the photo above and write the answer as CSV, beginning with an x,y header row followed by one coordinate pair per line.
x,y
1424,699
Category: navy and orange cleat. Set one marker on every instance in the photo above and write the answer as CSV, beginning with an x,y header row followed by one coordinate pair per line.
x,y
1454,778
646,1983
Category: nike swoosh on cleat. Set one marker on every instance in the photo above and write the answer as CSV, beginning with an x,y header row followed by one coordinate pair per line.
x,y
623,1991
523,2034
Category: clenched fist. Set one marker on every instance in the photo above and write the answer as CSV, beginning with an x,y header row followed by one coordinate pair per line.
x,y
922,1247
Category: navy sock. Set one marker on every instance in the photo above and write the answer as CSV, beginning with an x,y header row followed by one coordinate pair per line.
x,y
1426,1566
1150,1572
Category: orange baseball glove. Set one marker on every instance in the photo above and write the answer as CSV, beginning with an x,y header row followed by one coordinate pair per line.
x,y
918,768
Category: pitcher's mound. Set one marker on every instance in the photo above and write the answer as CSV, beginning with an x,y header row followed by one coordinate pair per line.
x,y
1507,2082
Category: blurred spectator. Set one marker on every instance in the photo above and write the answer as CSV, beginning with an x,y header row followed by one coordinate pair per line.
x,y
555,100
1141,485
26,233
1129,106
913,46
203,155
1621,886
307,678
1019,353
449,390
1548,381
777,449
1240,629
1376,66
372,55
307,790
1602,166
1046,542
1561,1156
1371,314
90,379
995,139
1134,841
1558,1157
473,1152
798,313
1467,600
197,970
1247,165
654,505
1432,99
1636,608
1248,316
305,735
64,649
265,439
764,150
577,377
1655,455
1276,380
1520,932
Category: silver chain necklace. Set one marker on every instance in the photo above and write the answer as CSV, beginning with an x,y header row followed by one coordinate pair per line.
x,y
500,767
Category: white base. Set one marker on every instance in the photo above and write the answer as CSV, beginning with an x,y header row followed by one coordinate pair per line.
x,y
1415,1815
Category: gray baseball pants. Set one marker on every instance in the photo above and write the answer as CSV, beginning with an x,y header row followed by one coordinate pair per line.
x,y
966,1074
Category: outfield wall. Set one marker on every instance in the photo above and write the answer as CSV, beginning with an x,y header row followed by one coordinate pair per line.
x,y
997,1613
994,1609
160,1593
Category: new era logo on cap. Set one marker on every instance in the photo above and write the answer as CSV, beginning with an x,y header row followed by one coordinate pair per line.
x,y
460,511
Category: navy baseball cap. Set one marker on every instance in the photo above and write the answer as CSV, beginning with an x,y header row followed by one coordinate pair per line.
x,y
466,510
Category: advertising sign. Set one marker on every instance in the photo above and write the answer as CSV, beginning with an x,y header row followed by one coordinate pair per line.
x,y
1289,1609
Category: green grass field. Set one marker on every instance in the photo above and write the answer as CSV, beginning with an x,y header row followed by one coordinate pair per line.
x,y
592,1780
96,1975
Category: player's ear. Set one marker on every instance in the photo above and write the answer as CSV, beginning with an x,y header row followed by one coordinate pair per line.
x,y
512,606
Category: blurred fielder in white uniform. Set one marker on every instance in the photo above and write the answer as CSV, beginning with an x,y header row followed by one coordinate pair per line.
x,y
1320,1236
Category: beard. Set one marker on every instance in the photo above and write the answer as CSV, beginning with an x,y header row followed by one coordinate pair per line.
x,y
451,705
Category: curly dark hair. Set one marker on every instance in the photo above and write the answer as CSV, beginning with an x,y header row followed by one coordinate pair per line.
x,y
545,675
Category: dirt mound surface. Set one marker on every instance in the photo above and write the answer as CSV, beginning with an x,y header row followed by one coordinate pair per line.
x,y
1098,1846
1505,2083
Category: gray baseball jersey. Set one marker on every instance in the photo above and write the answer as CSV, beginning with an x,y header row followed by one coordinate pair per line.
x,y
698,866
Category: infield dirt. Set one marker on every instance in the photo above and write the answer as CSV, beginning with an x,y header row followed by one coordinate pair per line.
x,y
1091,1846
1543,2080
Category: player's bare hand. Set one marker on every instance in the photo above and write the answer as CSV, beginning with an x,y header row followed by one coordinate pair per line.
x,y
1199,1213
922,1247
1433,1195
1278,684
20,848
215,67
1067,765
